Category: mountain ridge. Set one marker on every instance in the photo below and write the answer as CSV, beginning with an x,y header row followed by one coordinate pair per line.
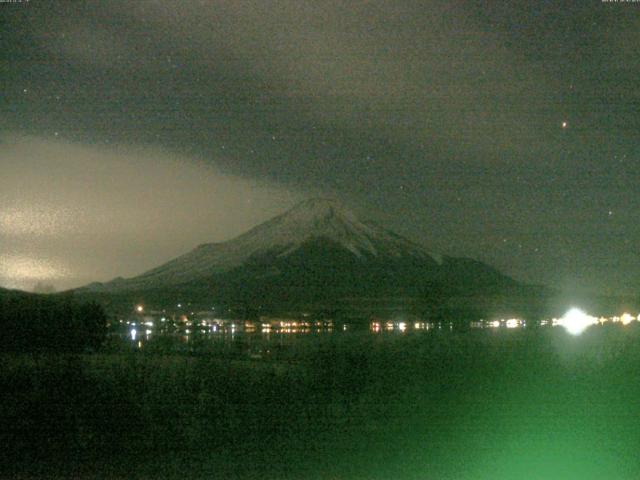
x,y
281,235
317,253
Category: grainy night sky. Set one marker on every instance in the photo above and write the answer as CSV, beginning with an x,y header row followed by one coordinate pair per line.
x,y
509,132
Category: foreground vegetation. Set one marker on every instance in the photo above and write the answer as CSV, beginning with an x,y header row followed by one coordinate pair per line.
x,y
50,323
496,405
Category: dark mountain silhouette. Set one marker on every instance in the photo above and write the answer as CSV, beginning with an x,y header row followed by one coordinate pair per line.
x,y
317,253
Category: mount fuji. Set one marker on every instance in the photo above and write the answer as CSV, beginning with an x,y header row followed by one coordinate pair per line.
x,y
317,252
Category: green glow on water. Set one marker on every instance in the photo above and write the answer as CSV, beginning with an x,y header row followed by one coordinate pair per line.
x,y
554,407
496,405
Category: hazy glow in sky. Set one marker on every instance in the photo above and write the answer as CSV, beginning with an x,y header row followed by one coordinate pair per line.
x,y
97,212
23,271
37,220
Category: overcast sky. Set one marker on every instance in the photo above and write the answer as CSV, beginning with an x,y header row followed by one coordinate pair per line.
x,y
130,132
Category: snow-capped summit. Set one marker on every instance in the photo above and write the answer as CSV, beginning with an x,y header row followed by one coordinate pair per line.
x,y
318,241
328,219
316,218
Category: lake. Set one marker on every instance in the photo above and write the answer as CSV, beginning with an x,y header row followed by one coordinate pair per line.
x,y
495,403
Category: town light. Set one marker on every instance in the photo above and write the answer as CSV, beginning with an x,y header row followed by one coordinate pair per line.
x,y
513,323
626,318
575,321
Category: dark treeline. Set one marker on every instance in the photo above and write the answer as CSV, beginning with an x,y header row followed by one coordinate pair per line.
x,y
44,323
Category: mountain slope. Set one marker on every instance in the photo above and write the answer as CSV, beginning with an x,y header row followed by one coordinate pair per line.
x,y
318,250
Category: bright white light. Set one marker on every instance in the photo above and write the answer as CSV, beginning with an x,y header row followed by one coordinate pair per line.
x,y
494,324
575,321
133,333
626,318
513,323
139,309
402,326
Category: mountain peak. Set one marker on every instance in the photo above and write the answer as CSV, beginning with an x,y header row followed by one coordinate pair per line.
x,y
319,209
319,203
315,219
312,218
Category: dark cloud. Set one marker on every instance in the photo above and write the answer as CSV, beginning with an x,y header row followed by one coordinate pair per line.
x,y
443,118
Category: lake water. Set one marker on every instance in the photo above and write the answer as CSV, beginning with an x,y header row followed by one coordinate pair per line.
x,y
289,340
277,340
441,403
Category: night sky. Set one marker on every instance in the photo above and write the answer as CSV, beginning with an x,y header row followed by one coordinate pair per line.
x,y
509,132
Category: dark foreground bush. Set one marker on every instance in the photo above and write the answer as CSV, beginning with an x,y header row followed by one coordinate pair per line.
x,y
41,323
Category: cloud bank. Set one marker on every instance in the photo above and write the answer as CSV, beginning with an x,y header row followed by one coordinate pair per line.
x,y
118,210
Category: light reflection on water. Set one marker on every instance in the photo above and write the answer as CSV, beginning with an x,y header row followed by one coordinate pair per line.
x,y
272,341
257,339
